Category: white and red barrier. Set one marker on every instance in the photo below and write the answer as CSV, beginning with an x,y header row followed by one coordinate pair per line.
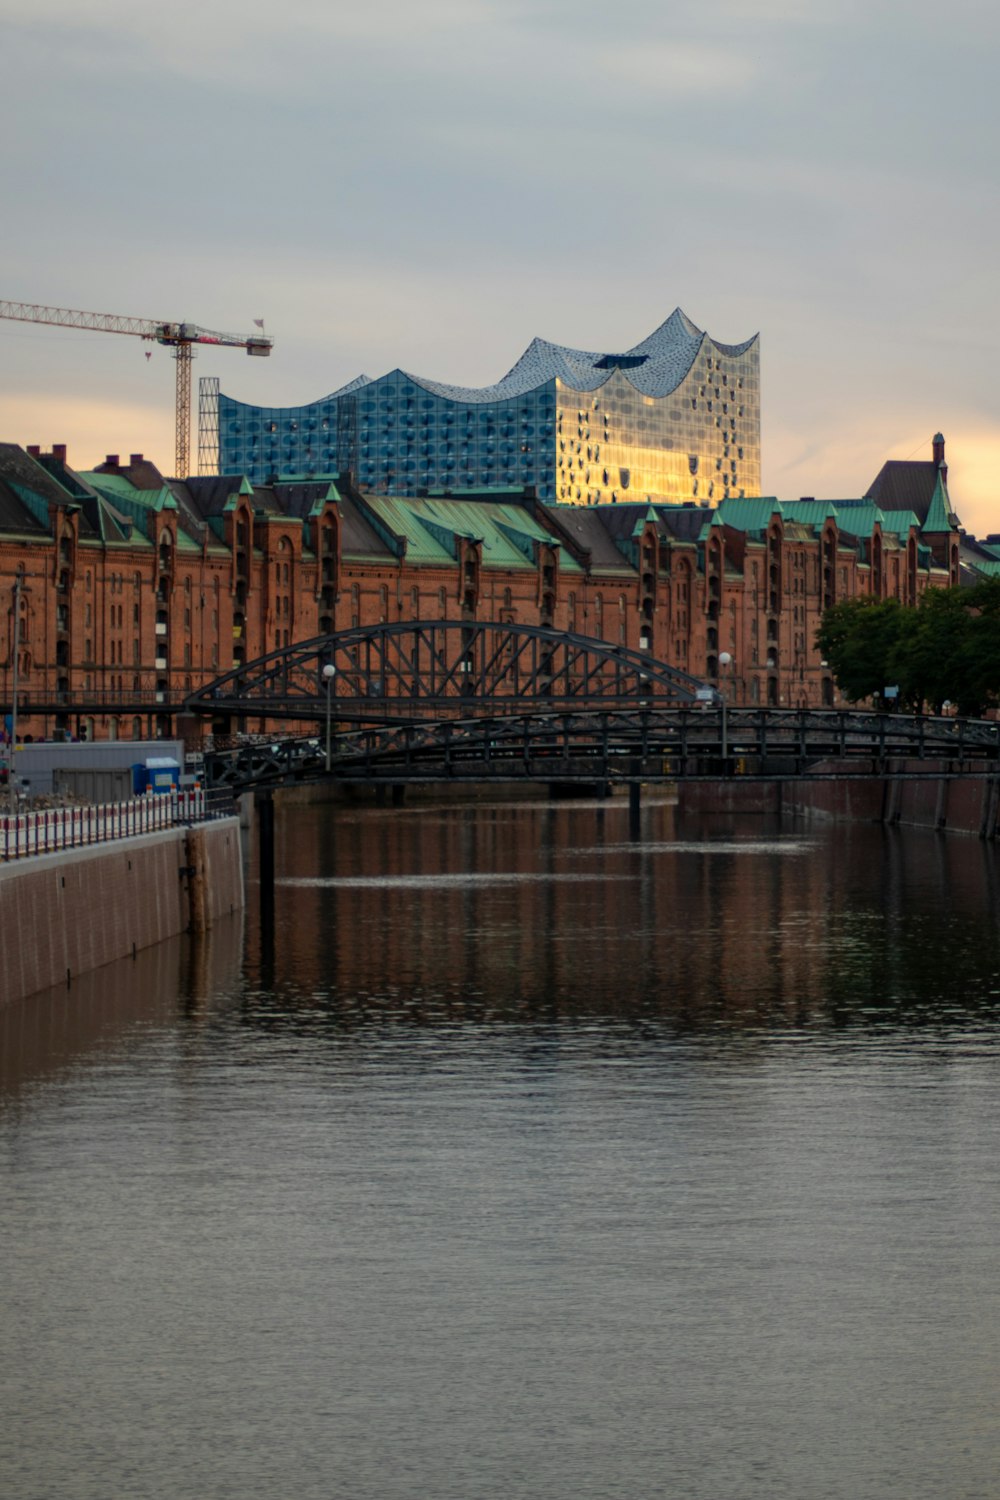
x,y
29,833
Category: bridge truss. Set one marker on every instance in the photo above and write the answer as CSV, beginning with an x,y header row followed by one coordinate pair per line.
x,y
426,667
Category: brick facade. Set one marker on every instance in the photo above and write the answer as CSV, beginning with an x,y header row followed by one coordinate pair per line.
x,y
137,590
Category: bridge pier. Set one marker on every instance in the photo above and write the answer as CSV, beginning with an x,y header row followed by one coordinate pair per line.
x,y
265,848
634,809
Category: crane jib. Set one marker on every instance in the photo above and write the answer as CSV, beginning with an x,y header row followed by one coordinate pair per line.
x,y
178,336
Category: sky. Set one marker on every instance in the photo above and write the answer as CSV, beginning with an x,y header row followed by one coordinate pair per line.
x,y
429,184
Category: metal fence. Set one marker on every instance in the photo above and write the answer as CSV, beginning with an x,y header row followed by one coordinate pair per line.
x,y
23,835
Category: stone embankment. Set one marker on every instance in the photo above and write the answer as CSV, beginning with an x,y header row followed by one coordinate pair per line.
x,y
64,914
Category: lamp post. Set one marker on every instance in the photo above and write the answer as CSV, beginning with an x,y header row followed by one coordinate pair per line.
x,y
329,673
11,777
725,660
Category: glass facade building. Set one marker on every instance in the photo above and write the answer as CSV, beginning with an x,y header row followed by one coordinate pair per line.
x,y
676,417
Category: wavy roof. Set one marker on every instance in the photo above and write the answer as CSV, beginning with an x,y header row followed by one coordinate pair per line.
x,y
654,367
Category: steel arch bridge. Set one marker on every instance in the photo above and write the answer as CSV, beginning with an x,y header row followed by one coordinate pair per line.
x,y
441,668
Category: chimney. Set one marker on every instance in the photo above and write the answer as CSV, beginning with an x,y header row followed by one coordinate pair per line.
x,y
59,452
938,452
111,459
134,458
33,450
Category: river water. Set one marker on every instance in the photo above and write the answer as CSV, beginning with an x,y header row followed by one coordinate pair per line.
x,y
519,1160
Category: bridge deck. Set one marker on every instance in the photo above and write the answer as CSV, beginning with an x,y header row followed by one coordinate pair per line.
x,y
609,746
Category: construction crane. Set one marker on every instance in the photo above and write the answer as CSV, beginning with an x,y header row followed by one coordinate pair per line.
x,y
181,337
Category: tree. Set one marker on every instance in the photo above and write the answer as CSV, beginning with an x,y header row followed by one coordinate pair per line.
x,y
947,649
927,657
859,638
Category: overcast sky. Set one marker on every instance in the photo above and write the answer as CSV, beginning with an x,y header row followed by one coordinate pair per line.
x,y
430,183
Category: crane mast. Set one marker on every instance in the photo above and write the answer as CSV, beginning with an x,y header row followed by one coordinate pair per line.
x,y
180,337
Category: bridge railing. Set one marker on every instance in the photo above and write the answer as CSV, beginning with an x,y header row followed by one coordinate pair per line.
x,y
610,745
24,835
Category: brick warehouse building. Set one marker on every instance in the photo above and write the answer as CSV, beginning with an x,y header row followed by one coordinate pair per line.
x,y
136,590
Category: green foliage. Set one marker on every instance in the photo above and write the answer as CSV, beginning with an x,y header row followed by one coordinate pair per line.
x,y
947,649
858,638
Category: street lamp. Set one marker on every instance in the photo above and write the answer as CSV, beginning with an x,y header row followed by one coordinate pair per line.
x,y
329,673
12,753
725,660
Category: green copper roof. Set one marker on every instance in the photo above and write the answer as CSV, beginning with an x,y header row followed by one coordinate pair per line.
x,y
810,512
859,520
939,512
749,513
36,504
507,532
118,488
136,505
332,494
899,521
643,521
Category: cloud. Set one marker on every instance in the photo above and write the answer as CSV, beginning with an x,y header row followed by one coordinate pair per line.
x,y
430,186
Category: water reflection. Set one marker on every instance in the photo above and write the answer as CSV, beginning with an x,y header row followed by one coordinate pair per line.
x,y
517,1160
513,911
60,1028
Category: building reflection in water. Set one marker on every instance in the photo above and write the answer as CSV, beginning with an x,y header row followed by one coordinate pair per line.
x,y
509,910
543,912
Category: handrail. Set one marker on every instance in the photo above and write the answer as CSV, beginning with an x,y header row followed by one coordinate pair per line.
x,y
27,834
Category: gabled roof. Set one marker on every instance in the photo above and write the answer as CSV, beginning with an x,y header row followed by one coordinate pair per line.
x,y
205,495
26,492
904,485
136,505
507,531
584,528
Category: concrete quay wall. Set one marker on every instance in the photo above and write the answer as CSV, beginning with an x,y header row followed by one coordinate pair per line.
x,y
64,914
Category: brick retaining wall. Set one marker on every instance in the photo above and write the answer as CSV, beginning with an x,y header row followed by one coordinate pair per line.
x,y
969,803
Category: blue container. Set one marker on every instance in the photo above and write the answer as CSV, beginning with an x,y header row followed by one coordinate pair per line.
x,y
158,774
